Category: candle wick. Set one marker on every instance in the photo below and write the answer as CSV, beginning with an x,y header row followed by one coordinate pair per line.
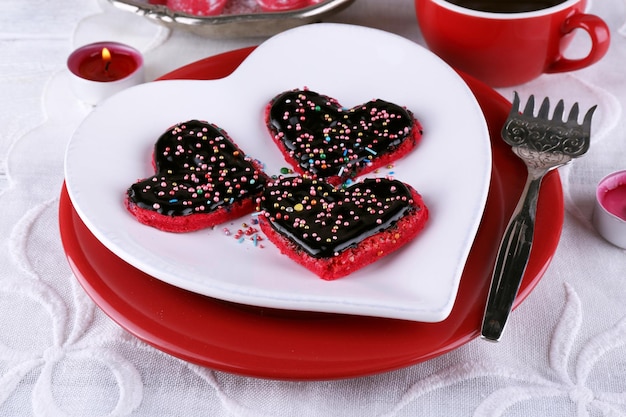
x,y
106,66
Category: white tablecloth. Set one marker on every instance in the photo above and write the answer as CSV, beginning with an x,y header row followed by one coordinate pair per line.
x,y
564,352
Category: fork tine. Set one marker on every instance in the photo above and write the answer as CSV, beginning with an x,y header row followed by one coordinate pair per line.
x,y
558,111
530,106
515,106
544,109
573,114
587,120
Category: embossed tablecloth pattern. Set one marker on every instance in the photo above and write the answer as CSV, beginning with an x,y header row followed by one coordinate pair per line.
x,y
564,352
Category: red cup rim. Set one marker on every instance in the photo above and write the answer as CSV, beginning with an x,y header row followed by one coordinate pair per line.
x,y
510,16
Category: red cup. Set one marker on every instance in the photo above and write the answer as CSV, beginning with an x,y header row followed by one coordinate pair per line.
x,y
509,48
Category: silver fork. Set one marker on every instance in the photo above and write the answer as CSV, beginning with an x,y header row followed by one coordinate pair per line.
x,y
543,144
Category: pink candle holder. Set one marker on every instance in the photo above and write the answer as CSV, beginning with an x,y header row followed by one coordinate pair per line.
x,y
609,215
101,69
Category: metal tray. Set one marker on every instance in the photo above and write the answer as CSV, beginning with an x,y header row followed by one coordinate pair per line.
x,y
233,25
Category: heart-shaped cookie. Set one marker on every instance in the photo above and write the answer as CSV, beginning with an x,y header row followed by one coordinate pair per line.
x,y
195,7
283,5
322,139
202,179
335,231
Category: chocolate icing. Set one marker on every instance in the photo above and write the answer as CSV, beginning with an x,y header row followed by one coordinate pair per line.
x,y
324,220
198,170
327,140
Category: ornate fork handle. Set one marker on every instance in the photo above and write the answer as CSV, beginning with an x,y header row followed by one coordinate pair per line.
x,y
543,143
533,144
512,259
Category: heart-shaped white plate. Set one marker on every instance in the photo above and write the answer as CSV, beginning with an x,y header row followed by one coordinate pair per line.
x,y
450,168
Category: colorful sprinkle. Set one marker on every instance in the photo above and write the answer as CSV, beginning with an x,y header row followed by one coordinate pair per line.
x,y
325,140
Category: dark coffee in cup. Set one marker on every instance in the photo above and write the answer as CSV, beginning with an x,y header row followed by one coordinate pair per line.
x,y
506,6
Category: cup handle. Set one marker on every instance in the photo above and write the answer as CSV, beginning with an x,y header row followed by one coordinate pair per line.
x,y
600,39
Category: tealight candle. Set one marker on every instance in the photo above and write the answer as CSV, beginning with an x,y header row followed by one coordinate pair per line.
x,y
101,69
609,216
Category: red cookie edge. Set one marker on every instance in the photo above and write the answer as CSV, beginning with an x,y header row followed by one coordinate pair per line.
x,y
366,252
191,222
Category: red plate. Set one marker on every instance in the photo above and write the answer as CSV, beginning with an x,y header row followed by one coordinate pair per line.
x,y
277,344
